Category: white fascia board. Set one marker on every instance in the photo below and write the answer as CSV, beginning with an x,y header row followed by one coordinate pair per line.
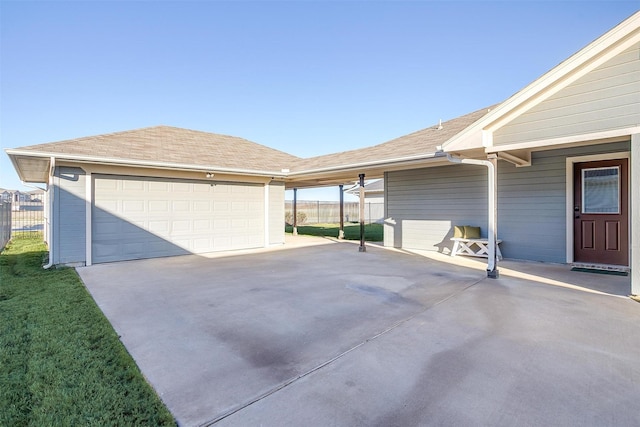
x,y
612,135
625,35
143,163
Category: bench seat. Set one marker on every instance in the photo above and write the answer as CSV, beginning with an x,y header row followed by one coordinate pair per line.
x,y
474,247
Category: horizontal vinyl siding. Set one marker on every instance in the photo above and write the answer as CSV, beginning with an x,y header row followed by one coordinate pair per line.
x,y
607,98
423,205
276,213
531,209
69,231
531,203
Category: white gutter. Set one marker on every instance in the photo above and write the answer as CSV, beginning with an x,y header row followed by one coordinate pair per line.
x,y
144,163
367,164
51,190
492,230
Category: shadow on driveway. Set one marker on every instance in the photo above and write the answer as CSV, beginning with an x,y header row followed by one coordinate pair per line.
x,y
325,335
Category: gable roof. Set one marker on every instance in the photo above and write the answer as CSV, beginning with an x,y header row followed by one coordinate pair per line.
x,y
160,146
612,43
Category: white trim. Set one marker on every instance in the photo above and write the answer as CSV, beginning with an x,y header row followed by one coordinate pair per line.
x,y
266,214
88,199
541,144
570,161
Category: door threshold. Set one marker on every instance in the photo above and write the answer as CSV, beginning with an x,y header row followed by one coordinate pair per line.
x,y
602,267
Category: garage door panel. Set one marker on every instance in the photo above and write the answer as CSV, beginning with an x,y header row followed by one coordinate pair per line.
x,y
158,186
144,218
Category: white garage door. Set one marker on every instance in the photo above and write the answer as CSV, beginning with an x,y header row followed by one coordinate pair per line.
x,y
135,218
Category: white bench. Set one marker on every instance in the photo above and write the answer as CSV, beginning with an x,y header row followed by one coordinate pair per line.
x,y
474,247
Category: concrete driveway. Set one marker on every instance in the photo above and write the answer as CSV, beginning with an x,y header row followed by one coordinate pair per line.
x,y
323,335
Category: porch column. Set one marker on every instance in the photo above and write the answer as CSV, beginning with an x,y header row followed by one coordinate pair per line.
x,y
492,232
635,214
341,231
362,248
295,211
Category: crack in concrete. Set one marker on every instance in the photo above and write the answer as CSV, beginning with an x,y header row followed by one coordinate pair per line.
x,y
333,359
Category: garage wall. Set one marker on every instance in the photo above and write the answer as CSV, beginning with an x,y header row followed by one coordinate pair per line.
x,y
276,213
69,215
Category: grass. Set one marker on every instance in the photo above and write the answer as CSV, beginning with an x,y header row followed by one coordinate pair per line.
x,y
61,362
372,232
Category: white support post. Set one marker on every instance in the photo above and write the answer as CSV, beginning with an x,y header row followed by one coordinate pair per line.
x,y
266,214
635,213
492,203
88,210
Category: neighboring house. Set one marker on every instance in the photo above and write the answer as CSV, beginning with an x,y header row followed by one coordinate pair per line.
x,y
373,199
373,191
21,200
562,157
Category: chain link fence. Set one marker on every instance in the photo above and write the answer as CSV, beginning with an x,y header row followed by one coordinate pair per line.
x,y
318,212
27,218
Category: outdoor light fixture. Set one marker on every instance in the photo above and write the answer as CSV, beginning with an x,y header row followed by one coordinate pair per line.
x,y
209,175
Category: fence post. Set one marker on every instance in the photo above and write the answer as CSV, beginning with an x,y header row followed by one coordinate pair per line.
x,y
362,248
5,223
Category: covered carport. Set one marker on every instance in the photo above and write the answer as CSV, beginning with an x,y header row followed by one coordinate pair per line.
x,y
316,333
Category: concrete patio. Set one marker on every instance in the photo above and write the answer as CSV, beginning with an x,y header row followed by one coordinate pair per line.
x,y
316,333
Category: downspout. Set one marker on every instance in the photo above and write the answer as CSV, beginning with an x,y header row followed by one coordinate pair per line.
x,y
492,230
51,190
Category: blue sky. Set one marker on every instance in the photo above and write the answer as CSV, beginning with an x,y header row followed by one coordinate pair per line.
x,y
305,77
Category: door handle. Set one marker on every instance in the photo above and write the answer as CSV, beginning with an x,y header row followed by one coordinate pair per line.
x,y
577,216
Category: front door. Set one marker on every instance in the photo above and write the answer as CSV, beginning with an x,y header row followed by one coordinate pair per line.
x,y
601,212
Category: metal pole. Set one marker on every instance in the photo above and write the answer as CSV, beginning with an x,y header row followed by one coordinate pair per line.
x,y
295,211
341,232
362,248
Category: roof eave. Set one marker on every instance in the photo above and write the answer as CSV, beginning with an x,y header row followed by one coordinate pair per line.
x,y
141,163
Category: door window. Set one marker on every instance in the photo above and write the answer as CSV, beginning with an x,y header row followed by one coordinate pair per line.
x,y
601,190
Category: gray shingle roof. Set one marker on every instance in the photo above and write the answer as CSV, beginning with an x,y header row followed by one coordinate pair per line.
x,y
171,145
166,144
420,142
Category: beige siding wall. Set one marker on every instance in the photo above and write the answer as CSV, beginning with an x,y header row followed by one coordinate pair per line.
x,y
606,99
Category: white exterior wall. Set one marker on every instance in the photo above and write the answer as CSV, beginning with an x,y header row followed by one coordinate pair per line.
x,y
606,99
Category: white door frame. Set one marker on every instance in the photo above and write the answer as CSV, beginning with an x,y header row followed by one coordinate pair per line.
x,y
569,193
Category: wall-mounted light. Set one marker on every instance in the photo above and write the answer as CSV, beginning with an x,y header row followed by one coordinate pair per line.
x,y
209,175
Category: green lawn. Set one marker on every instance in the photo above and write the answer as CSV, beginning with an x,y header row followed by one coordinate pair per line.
x,y
61,362
372,232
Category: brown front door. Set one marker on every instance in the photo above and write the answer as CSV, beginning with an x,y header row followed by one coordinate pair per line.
x,y
601,212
